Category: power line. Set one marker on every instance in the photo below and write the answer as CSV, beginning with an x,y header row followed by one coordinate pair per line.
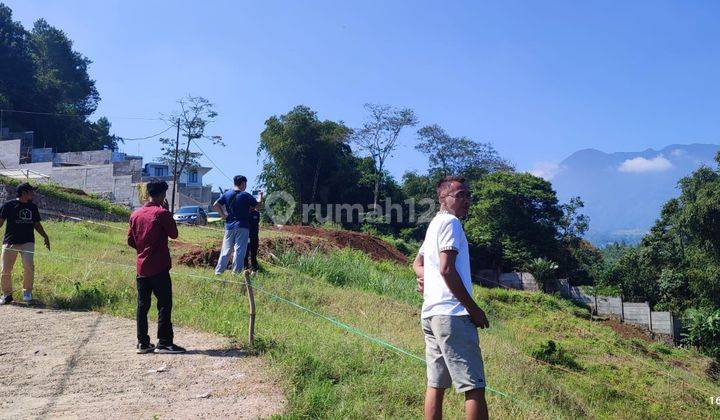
x,y
75,115
148,137
211,161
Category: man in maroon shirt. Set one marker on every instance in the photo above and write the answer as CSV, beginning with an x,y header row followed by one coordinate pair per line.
x,y
150,227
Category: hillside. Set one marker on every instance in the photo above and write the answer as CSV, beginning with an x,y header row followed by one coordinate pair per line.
x,y
331,371
624,191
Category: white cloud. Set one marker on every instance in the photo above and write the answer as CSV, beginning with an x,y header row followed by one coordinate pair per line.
x,y
546,170
678,152
641,164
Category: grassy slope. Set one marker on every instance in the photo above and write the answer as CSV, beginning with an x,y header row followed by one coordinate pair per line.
x,y
328,372
61,193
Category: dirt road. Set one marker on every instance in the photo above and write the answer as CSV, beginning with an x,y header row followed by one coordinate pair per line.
x,y
83,365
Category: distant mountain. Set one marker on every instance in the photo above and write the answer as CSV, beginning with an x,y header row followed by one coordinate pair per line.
x,y
625,191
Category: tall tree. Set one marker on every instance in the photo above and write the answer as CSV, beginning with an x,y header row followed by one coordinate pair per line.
x,y
45,87
17,68
379,136
310,159
63,86
62,73
458,155
514,219
579,259
573,223
195,113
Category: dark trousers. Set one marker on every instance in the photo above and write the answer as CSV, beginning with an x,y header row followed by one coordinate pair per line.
x,y
161,286
252,251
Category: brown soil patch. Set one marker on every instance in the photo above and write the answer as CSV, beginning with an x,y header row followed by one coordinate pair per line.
x,y
268,249
712,370
301,239
271,247
681,365
376,248
629,330
201,257
180,247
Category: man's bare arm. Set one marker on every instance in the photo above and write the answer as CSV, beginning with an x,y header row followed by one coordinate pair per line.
x,y
219,208
455,284
39,228
419,268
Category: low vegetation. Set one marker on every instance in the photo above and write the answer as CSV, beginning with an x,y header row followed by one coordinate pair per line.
x,y
328,372
67,194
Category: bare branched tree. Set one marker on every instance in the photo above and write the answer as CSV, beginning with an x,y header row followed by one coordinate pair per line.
x,y
458,155
379,135
194,115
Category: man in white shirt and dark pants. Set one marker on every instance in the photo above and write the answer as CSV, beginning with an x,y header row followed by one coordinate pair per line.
x,y
450,316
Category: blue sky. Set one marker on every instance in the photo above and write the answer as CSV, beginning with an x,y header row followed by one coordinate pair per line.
x,y
539,80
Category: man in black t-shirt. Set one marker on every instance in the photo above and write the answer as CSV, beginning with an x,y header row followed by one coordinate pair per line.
x,y
23,218
251,262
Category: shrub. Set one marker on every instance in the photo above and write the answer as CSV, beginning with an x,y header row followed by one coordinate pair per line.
x,y
660,348
409,248
553,353
543,271
702,330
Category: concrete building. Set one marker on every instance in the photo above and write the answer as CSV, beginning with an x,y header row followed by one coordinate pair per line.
x,y
191,190
106,173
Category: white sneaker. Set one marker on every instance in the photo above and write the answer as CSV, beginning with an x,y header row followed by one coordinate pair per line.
x,y
27,296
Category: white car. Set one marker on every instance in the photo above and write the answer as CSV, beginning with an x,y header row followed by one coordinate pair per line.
x,y
194,215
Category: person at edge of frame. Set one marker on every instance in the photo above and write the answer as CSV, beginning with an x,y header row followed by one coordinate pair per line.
x,y
23,218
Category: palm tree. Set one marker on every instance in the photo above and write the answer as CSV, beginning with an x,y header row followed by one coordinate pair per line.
x,y
543,271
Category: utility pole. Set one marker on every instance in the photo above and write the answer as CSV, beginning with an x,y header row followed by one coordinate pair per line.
x,y
175,174
1,124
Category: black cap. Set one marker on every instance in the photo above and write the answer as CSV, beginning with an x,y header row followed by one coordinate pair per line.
x,y
24,187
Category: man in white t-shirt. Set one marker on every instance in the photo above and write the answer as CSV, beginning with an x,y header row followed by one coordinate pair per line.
x,y
450,316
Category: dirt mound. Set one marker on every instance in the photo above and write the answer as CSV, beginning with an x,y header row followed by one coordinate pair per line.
x,y
268,249
627,330
713,370
201,257
178,247
303,240
376,248
271,247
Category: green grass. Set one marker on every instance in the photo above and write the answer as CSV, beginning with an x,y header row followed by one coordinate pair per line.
x,y
56,191
350,268
329,373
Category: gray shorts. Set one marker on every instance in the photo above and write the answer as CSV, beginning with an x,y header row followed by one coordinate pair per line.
x,y
452,353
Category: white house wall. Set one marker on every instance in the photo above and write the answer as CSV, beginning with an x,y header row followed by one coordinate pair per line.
x,y
90,157
10,154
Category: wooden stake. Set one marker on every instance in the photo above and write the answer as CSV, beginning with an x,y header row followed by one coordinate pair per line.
x,y
251,300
